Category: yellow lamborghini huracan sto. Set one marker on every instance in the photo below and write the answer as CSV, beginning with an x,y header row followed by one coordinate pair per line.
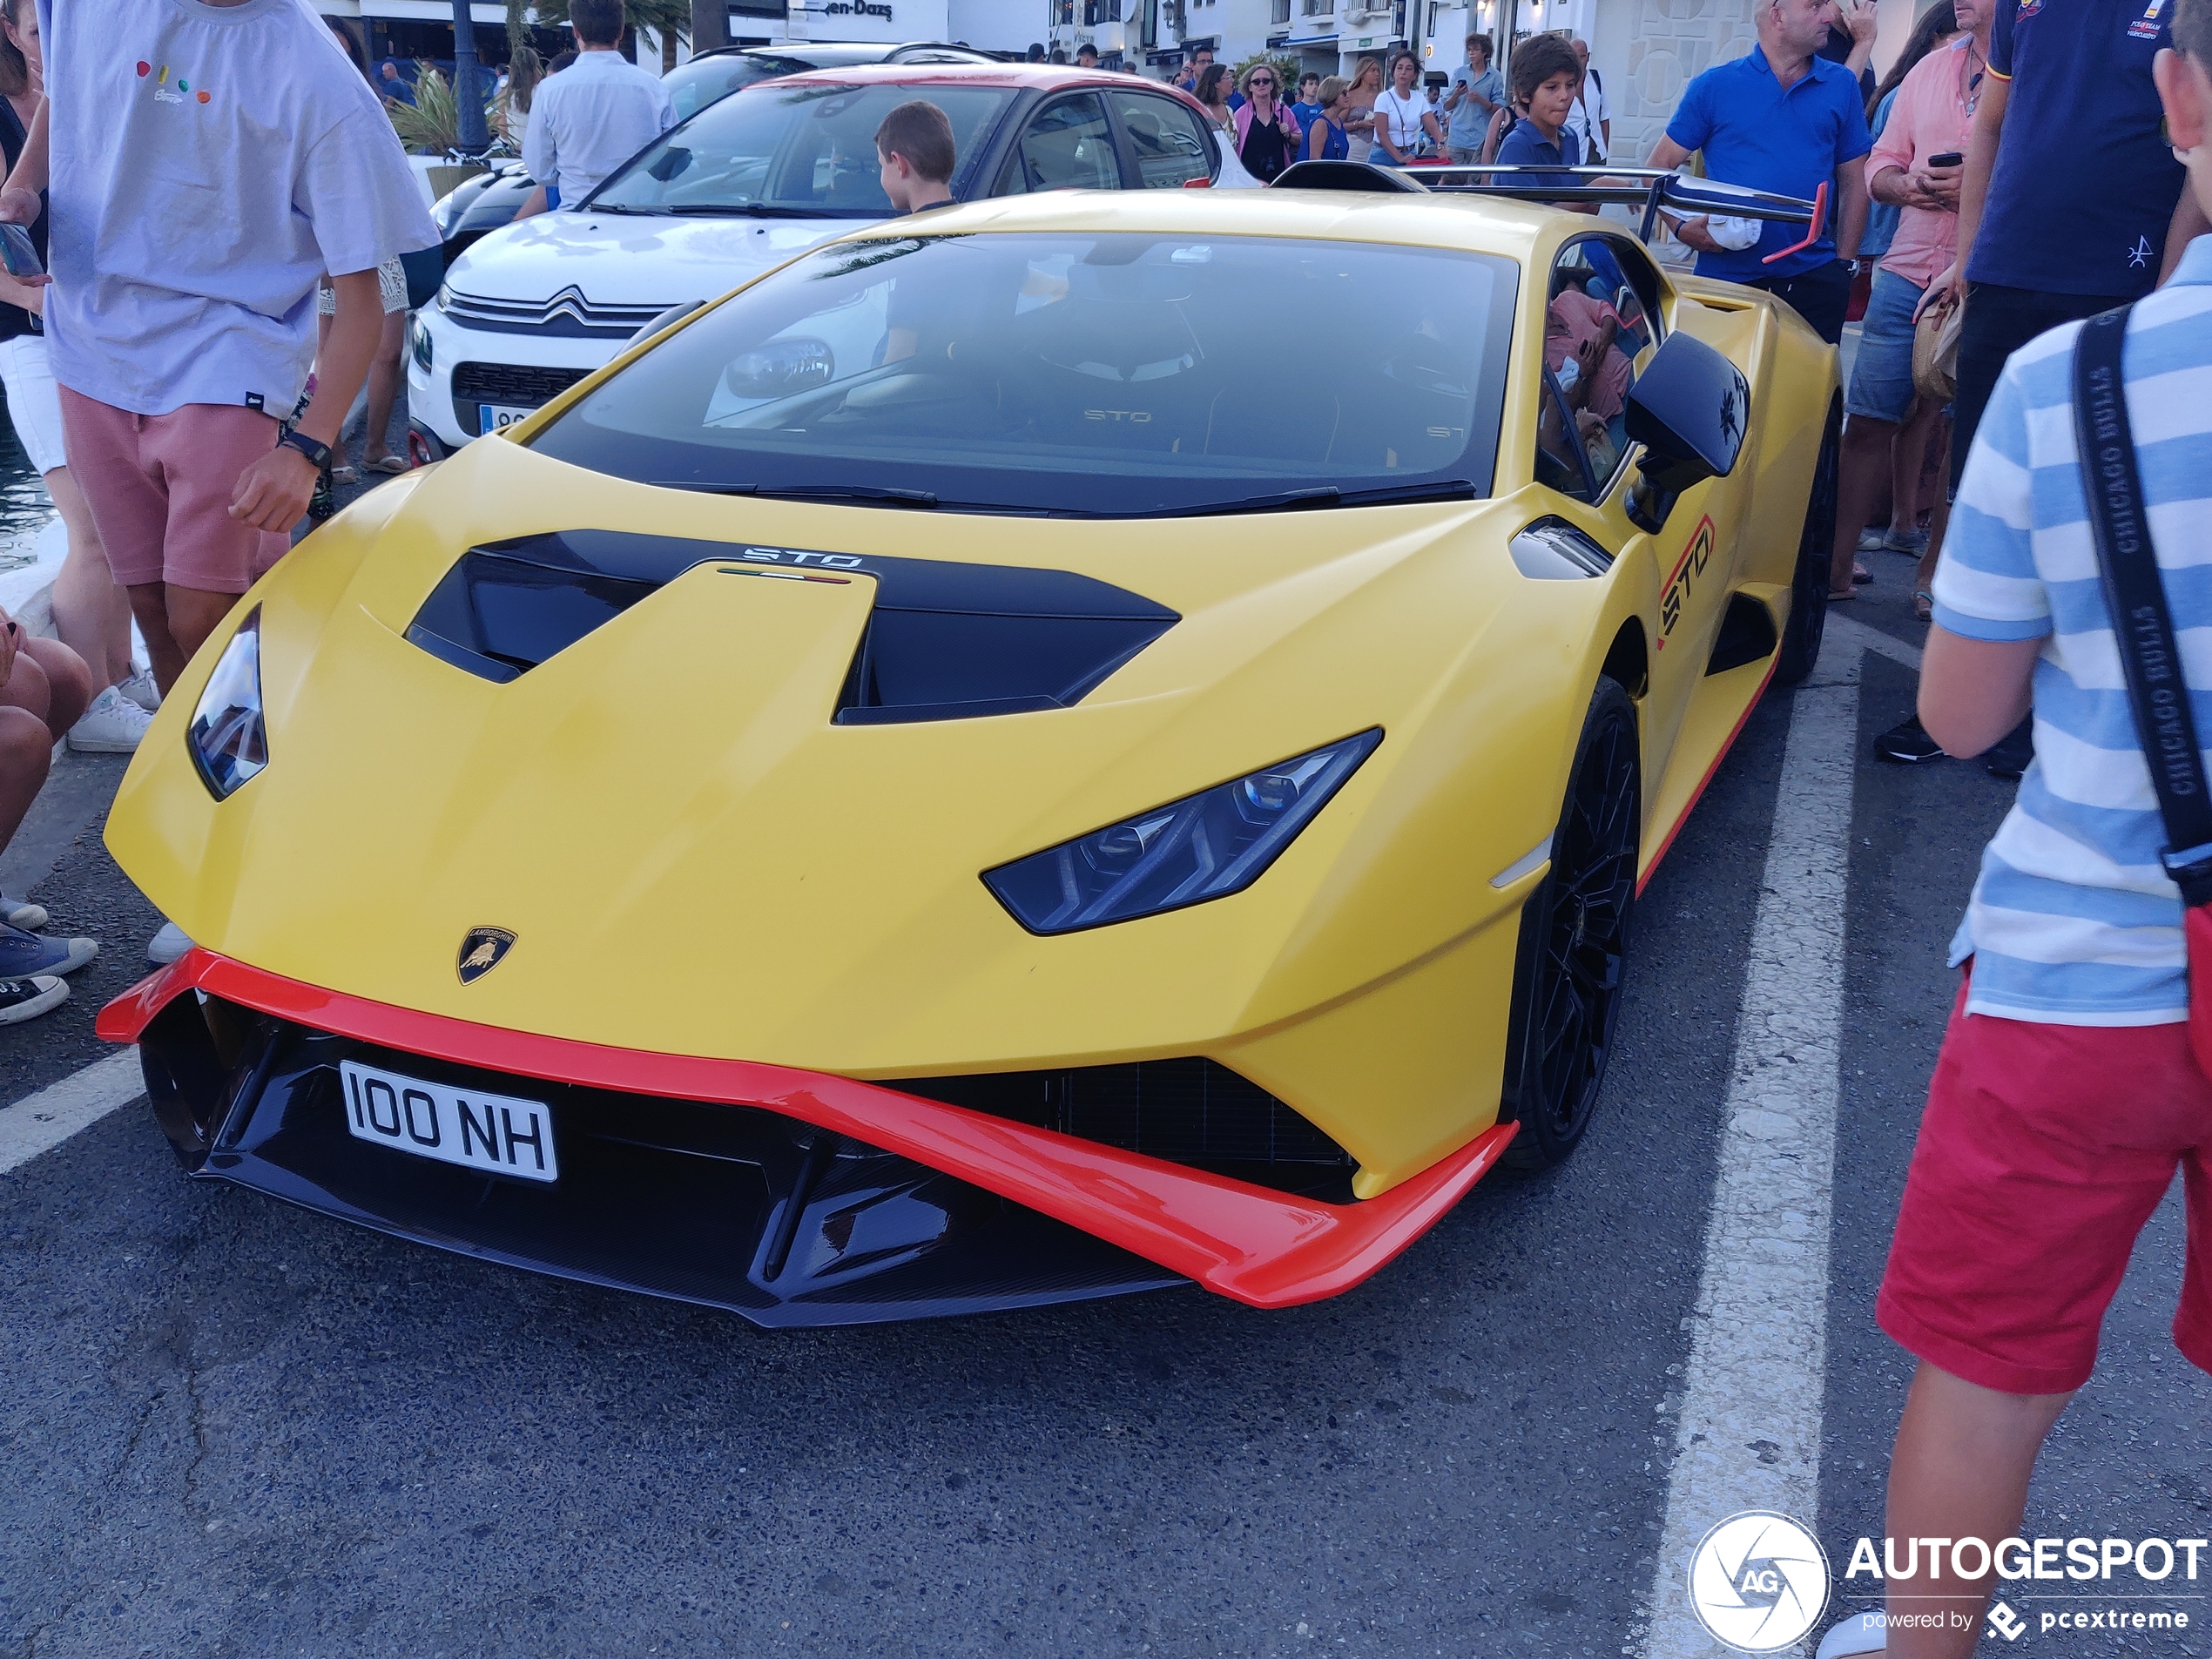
x,y
1045,748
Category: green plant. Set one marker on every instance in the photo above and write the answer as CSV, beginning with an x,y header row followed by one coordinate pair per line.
x,y
433,122
1287,70
670,19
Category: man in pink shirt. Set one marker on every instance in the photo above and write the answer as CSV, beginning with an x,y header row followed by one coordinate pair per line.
x,y
1929,120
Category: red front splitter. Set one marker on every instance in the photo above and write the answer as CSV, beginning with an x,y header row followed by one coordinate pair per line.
x,y
1259,1246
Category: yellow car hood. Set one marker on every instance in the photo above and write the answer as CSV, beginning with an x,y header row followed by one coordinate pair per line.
x,y
694,860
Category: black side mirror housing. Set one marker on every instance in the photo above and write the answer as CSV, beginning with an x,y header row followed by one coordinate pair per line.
x,y
1688,410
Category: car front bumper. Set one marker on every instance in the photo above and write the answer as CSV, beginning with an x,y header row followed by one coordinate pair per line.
x,y
535,361
792,1197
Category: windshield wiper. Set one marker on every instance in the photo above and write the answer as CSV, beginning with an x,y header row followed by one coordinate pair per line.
x,y
748,209
1291,500
871,494
616,207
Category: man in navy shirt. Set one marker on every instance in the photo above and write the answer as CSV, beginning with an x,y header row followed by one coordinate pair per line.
x,y
1786,120
2069,208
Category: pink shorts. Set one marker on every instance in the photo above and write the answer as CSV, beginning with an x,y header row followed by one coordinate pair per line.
x,y
159,487
2043,1151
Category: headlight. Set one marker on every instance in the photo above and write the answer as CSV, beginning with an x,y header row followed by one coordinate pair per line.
x,y
227,739
421,342
1205,846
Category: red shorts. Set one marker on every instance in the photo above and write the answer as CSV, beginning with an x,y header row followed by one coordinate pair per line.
x,y
159,488
2043,1151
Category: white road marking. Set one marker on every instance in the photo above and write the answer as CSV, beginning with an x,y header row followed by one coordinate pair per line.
x,y
1858,636
1747,1436
44,1120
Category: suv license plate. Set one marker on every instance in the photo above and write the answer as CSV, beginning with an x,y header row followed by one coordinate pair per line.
x,y
497,1134
497,417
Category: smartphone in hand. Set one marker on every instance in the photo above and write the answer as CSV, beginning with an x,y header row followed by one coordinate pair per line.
x,y
1948,159
17,253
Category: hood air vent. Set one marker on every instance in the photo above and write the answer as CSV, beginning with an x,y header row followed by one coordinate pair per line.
x,y
944,641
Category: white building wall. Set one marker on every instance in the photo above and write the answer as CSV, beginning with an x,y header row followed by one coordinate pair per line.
x,y
998,25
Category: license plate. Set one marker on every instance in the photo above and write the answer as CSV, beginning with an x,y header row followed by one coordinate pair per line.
x,y
497,1134
497,417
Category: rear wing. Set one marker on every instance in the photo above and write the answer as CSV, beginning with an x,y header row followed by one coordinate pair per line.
x,y
1649,188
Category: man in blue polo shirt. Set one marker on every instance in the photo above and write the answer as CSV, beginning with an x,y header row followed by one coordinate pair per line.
x,y
1782,119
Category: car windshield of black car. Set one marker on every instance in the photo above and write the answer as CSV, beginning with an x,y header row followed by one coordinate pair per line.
x,y
1108,375
789,149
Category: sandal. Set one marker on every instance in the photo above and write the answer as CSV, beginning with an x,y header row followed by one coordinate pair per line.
x,y
1860,575
390,466
1923,606
344,475
1836,598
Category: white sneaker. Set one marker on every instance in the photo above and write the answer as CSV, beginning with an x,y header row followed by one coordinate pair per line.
x,y
21,912
141,689
112,726
26,999
1862,1633
167,945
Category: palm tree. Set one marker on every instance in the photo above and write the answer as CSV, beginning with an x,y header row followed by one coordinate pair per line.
x,y
670,19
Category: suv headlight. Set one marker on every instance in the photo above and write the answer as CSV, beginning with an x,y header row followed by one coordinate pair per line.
x,y
1205,846
228,742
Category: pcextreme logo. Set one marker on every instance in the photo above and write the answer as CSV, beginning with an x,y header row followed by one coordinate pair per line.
x,y
163,94
1758,1582
1687,571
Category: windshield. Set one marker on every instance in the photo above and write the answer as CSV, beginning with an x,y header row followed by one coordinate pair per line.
x,y
1108,375
773,148
694,85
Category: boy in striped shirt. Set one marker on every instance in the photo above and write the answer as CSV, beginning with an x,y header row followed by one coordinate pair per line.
x,y
2066,1095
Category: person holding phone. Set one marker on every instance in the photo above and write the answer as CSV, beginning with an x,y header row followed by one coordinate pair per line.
x,y
1915,166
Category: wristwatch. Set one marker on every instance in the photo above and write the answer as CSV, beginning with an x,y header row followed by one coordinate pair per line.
x,y
318,454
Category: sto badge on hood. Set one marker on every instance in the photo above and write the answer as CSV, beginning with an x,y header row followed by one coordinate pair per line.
x,y
481,950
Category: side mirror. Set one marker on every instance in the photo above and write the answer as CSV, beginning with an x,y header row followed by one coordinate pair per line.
x,y
1688,410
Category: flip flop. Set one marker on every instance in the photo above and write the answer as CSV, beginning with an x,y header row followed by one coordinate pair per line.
x,y
1924,605
344,475
1860,575
390,466
1836,598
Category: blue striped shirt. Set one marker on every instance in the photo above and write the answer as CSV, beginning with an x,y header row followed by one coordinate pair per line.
x,y
2073,921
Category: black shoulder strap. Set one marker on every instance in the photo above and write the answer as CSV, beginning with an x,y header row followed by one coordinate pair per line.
x,y
2135,594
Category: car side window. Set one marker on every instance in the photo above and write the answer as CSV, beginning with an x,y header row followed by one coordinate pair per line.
x,y
1165,140
1067,145
1600,329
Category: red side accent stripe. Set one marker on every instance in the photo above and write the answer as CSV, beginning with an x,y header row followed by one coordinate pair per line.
x,y
1261,1247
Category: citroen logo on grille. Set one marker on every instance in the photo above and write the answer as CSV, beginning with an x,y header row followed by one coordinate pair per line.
x,y
482,949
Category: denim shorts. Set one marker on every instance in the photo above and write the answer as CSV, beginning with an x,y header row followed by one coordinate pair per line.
x,y
1881,378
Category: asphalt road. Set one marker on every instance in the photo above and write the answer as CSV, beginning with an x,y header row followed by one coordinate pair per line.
x,y
228,1427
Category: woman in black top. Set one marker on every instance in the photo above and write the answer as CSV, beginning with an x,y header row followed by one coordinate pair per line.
x,y
92,614
1267,133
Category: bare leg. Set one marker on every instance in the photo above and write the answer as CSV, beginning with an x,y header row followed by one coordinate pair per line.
x,y
1865,463
1959,1470
1924,578
177,621
384,386
68,681
1906,457
92,614
26,751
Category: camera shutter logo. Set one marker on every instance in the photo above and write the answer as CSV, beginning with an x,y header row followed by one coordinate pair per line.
x,y
1758,1582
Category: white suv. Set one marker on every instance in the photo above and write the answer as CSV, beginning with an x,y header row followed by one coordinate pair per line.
x,y
748,182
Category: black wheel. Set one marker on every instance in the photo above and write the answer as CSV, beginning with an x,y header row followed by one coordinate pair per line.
x,y
1575,940
1809,596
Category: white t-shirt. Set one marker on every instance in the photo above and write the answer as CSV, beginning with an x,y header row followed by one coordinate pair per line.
x,y
1404,114
207,164
1586,116
591,118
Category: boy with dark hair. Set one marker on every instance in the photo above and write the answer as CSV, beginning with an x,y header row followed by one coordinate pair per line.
x,y
1545,77
2067,1092
915,144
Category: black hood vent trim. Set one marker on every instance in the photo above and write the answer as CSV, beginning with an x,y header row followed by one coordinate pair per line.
x,y
944,641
